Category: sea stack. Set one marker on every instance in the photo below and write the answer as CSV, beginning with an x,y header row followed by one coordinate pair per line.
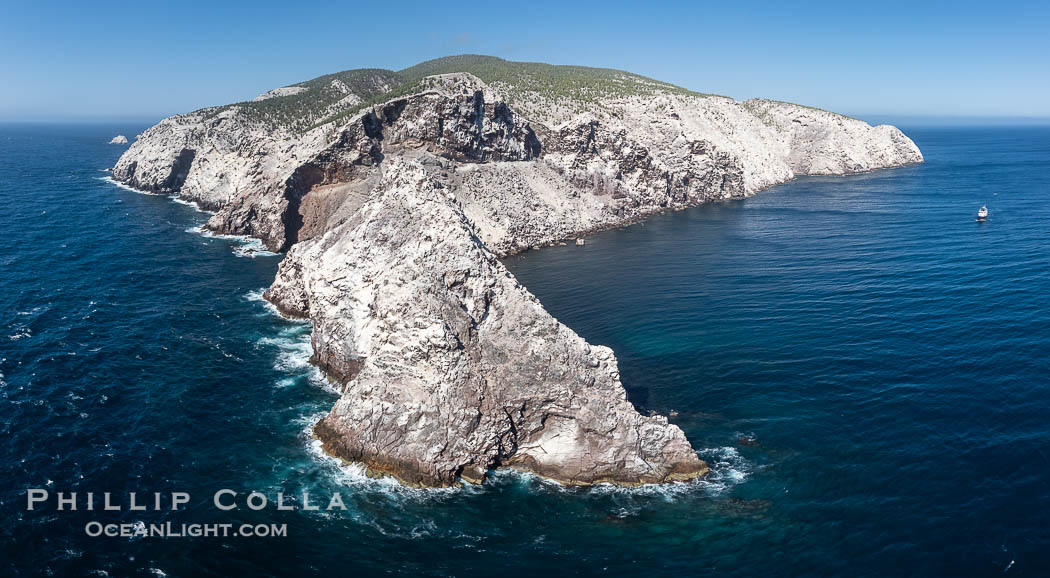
x,y
394,195
119,140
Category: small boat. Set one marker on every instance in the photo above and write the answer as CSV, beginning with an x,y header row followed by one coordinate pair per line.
x,y
982,213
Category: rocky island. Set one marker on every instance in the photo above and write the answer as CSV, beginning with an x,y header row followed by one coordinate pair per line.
x,y
395,193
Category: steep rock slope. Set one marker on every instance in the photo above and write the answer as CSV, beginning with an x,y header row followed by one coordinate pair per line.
x,y
450,366
211,155
394,194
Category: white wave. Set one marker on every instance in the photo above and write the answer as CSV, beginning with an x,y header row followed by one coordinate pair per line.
x,y
225,353
121,185
293,348
248,246
728,468
293,359
257,296
536,482
287,381
193,204
251,247
293,351
175,198
22,333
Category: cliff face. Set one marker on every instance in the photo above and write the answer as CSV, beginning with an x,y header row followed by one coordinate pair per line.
x,y
450,367
393,215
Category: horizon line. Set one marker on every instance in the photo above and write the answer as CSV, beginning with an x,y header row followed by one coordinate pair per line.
x,y
155,118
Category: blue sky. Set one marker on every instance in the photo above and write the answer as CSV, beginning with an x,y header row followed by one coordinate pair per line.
x,y
105,60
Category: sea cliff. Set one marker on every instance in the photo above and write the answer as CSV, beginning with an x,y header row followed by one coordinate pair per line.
x,y
394,194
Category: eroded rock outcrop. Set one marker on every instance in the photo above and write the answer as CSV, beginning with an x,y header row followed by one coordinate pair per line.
x,y
448,113
394,214
449,366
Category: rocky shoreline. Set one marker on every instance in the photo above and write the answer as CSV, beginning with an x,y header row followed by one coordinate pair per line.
x,y
393,216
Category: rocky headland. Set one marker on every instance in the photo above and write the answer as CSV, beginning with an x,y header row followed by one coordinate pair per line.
x,y
395,193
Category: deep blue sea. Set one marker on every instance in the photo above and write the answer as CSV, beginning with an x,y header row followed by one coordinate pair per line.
x,y
866,368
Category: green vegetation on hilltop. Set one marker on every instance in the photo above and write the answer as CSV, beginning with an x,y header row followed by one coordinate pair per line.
x,y
403,89
754,105
575,86
549,81
545,79
300,111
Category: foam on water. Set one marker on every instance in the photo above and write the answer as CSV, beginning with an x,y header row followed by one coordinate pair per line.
x,y
196,206
256,296
293,350
21,333
292,346
251,247
32,311
246,246
727,467
121,185
176,198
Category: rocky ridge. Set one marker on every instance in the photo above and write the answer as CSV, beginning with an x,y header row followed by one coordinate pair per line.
x,y
450,367
394,206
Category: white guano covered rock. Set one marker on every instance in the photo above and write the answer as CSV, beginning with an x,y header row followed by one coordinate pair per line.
x,y
450,367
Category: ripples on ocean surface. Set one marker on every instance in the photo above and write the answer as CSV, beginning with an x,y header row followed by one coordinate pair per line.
x,y
864,366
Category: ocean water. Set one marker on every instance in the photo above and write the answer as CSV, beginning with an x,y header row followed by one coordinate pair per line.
x,y
864,366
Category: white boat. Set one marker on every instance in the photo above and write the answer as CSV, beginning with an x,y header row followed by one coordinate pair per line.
x,y
982,213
